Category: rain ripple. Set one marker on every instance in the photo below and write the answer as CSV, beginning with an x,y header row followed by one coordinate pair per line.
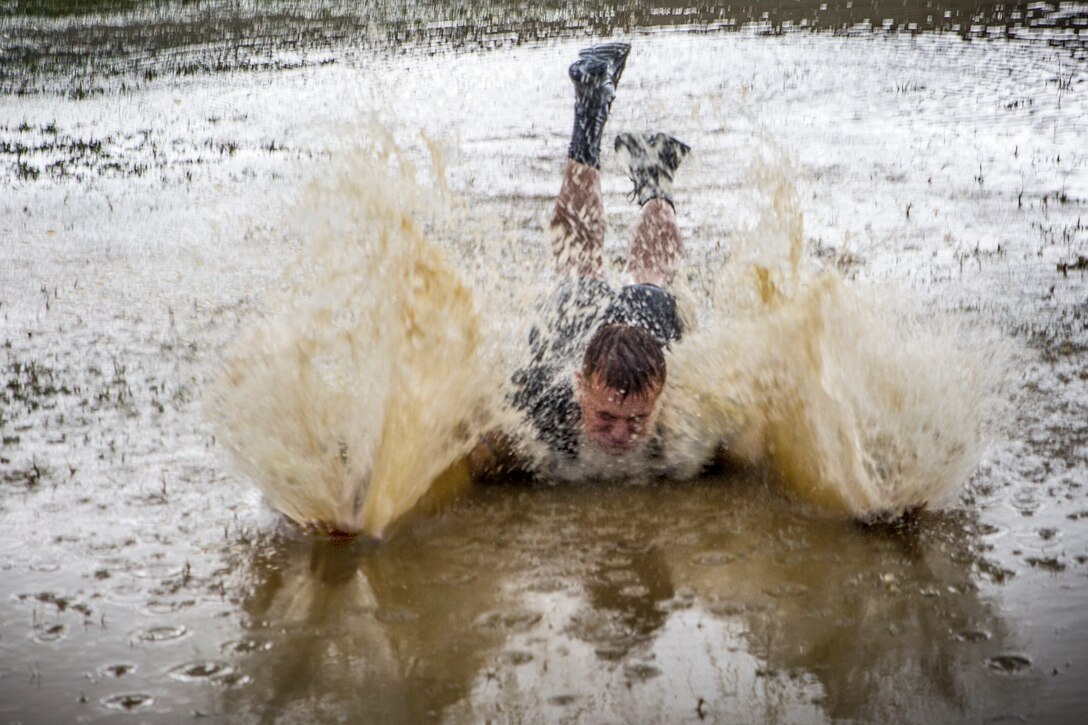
x,y
1008,664
164,633
117,671
129,701
203,671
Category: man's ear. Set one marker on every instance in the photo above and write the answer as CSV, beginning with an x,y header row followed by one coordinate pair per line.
x,y
579,381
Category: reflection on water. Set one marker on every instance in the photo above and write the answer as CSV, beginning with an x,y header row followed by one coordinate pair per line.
x,y
627,587
483,614
335,629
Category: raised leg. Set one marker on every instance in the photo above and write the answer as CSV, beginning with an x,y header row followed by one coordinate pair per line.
x,y
656,245
578,223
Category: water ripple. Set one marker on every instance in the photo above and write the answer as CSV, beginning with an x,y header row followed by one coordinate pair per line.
x,y
163,633
129,701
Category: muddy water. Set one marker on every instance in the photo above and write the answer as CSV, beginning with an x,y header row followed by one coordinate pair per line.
x,y
148,220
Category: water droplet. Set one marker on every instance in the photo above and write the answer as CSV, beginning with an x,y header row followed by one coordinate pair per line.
x,y
641,672
547,586
164,633
514,621
1025,502
634,591
727,609
713,558
234,679
51,633
204,670
44,566
159,571
128,701
971,635
614,651
59,601
117,671
161,607
1008,664
448,579
515,657
1049,563
242,646
786,591
985,529
395,616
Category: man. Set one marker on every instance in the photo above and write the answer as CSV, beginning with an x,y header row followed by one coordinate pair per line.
x,y
611,402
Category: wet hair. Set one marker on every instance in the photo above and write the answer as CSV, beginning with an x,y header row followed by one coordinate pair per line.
x,y
627,359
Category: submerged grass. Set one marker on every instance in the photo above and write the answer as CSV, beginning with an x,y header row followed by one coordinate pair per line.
x,y
58,151
90,47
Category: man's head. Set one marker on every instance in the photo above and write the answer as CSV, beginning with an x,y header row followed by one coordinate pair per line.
x,y
623,373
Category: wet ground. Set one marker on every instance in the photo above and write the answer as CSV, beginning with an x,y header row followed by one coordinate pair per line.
x,y
148,152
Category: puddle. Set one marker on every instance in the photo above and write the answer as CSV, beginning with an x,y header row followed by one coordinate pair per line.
x,y
154,199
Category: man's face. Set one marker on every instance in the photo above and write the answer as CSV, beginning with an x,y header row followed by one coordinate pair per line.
x,y
616,423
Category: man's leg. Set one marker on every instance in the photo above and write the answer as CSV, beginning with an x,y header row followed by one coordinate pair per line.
x,y
656,244
578,222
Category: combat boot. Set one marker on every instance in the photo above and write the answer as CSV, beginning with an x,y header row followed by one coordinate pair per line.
x,y
595,75
652,159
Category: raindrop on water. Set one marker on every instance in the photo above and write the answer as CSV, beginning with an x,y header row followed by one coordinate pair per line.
x,y
51,633
515,658
453,578
117,671
713,558
1008,664
164,633
201,671
971,635
786,591
128,701
395,616
169,607
45,566
641,672
513,621
243,646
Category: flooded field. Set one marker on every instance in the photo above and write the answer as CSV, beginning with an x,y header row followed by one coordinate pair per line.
x,y
172,173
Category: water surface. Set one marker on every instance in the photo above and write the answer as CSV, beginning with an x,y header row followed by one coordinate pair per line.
x,y
148,153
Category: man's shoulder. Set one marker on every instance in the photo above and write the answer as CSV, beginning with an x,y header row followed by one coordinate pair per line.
x,y
545,394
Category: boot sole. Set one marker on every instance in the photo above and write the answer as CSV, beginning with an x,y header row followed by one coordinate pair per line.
x,y
613,54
